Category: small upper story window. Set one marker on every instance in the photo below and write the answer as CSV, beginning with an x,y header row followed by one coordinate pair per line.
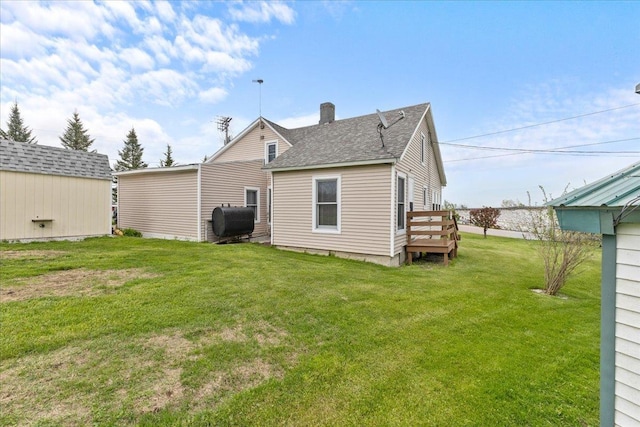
x,y
270,151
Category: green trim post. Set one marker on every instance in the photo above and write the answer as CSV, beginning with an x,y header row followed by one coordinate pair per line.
x,y
608,331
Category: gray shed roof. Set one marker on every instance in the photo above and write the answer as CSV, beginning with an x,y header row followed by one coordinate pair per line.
x,y
351,140
42,159
614,190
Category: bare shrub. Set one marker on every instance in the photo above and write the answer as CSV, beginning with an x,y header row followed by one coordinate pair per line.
x,y
562,251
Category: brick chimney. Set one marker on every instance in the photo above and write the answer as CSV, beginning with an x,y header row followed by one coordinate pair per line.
x,y
327,113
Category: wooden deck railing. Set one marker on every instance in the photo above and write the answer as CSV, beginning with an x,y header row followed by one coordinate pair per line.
x,y
432,232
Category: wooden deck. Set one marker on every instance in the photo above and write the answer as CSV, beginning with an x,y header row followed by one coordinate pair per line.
x,y
432,232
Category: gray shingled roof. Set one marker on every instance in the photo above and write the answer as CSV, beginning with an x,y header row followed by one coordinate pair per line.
x,y
42,159
349,140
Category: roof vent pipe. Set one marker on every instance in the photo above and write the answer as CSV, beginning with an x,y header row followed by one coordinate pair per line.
x,y
327,113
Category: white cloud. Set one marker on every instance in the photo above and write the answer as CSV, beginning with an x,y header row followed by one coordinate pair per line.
x,y
162,48
263,11
211,33
165,11
113,60
17,41
213,95
75,20
122,10
538,104
137,59
222,62
300,121
163,87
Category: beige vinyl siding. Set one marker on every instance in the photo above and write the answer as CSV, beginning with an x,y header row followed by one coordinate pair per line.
x,y
365,198
160,204
224,183
78,207
627,371
251,146
424,175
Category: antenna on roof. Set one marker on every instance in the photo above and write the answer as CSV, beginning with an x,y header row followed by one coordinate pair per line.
x,y
260,81
223,126
386,125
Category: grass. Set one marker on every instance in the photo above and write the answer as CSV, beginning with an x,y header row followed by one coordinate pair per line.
x,y
126,331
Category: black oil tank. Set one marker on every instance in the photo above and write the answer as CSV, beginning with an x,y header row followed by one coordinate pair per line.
x,y
232,221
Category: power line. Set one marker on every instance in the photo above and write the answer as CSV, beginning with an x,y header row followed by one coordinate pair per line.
x,y
559,150
540,124
548,150
585,154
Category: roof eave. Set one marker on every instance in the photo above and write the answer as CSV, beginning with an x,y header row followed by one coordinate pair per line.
x,y
427,116
170,169
333,165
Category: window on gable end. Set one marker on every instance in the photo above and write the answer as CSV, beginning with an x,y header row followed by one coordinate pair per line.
x,y
270,151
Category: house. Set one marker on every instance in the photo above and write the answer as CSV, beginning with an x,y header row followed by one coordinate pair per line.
x,y
611,207
53,193
341,186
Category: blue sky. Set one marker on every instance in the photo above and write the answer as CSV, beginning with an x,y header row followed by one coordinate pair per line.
x,y
170,68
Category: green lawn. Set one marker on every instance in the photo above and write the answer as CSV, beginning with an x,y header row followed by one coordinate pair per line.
x,y
126,331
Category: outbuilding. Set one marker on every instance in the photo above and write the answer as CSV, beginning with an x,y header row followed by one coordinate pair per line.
x,y
52,193
611,207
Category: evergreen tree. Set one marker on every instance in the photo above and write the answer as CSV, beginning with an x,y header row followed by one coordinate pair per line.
x,y
168,159
16,130
131,154
75,136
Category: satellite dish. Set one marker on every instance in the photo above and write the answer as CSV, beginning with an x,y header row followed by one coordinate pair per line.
x,y
383,119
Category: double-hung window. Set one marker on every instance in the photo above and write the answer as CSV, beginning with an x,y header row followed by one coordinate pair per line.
x,y
401,205
270,151
252,200
326,204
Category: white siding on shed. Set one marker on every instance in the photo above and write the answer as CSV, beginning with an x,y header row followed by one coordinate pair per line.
x,y
73,206
627,371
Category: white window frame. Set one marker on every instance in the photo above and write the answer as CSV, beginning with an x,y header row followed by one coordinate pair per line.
x,y
425,198
423,149
256,220
435,203
402,230
314,208
269,205
267,144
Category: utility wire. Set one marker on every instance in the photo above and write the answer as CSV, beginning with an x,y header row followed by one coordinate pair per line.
x,y
540,124
559,150
548,150
586,154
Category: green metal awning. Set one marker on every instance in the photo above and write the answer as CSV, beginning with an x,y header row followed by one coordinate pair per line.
x,y
598,207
